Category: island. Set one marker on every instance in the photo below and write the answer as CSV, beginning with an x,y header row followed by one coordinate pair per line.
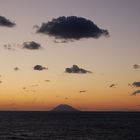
x,y
64,108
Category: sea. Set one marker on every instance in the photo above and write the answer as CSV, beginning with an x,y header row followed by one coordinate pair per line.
x,y
37,125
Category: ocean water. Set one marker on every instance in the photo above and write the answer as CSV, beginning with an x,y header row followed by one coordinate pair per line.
x,y
69,126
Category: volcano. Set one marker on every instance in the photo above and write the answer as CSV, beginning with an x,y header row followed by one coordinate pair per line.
x,y
64,108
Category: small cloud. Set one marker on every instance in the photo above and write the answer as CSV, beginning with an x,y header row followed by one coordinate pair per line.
x,y
35,27
136,66
24,88
136,84
6,22
36,85
16,68
66,98
136,92
31,45
76,69
112,86
33,91
39,67
0,81
29,89
72,27
9,47
129,84
82,91
47,81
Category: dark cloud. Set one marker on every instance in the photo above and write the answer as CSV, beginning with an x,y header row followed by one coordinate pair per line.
x,y
82,91
76,69
136,92
39,67
6,22
136,84
47,81
16,68
136,66
72,27
112,86
24,88
0,81
31,45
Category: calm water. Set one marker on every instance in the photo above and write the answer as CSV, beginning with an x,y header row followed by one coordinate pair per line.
x,y
69,126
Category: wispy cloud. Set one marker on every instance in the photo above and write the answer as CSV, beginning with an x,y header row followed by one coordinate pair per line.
x,y
72,27
9,47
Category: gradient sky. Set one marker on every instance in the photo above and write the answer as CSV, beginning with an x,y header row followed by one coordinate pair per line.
x,y
110,59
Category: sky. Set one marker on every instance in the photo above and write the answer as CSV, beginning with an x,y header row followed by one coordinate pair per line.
x,y
40,69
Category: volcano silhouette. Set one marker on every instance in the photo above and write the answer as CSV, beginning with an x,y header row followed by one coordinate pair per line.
x,y
64,108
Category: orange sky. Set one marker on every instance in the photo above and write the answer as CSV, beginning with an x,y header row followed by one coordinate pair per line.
x,y
110,59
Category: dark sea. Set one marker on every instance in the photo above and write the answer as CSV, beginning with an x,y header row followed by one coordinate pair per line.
x,y
70,126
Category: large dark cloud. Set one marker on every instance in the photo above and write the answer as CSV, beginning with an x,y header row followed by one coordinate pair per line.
x,y
31,45
72,27
76,69
6,22
136,84
39,67
136,92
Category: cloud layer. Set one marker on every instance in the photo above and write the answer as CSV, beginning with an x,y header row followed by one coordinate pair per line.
x,y
6,22
31,45
76,69
72,27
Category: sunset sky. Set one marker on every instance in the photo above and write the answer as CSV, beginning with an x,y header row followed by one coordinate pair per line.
x,y
111,63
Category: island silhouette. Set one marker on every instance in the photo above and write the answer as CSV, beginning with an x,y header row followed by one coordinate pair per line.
x,y
64,108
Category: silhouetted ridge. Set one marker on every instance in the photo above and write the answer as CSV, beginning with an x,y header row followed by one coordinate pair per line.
x,y
63,107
